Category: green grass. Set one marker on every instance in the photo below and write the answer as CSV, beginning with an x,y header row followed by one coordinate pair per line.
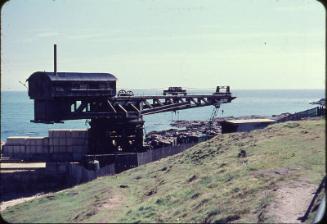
x,y
207,183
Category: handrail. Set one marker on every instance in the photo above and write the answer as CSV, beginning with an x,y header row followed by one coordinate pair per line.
x,y
321,210
305,216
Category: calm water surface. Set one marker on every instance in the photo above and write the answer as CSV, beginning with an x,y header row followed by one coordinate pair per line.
x,y
17,109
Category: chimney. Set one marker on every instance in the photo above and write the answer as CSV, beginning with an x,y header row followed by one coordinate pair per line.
x,y
55,58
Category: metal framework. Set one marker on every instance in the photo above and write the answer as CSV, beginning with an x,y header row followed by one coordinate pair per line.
x,y
133,107
117,121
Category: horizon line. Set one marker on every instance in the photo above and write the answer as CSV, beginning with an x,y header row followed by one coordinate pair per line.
x,y
193,88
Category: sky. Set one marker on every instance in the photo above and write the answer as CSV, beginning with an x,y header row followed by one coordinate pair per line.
x,y
146,44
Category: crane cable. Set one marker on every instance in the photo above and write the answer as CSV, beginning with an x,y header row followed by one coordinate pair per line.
x,y
213,116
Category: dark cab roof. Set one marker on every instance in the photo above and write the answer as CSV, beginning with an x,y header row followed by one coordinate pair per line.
x,y
74,76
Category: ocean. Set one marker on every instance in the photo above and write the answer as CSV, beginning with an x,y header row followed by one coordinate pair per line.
x,y
17,109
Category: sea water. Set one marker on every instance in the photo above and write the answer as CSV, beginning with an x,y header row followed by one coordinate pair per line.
x,y
17,109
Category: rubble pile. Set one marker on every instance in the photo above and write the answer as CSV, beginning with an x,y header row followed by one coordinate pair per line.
x,y
187,132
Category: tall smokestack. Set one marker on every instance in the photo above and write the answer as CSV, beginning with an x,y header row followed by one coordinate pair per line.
x,y
55,58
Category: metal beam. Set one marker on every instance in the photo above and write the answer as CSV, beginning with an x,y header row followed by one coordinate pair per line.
x,y
81,107
123,109
148,104
111,106
164,108
134,107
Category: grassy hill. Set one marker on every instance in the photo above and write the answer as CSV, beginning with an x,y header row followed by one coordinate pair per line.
x,y
207,183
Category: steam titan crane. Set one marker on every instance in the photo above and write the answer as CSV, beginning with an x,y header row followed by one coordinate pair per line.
x,y
116,120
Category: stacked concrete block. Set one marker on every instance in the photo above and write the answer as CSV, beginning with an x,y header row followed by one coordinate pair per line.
x,y
37,145
15,146
57,140
25,147
68,144
61,145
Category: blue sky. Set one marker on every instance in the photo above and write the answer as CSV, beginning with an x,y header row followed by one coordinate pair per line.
x,y
247,44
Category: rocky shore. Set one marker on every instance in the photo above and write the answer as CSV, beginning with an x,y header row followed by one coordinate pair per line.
x,y
186,131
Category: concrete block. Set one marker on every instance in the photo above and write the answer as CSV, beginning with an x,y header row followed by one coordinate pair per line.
x,y
54,148
74,141
74,134
61,168
50,133
64,157
38,148
56,141
51,148
27,156
51,167
32,149
62,141
35,149
16,140
7,150
51,141
63,148
22,149
69,148
18,155
88,175
45,149
38,142
59,133
4,150
81,141
77,156
56,157
76,148
28,148
79,133
85,148
10,148
45,141
75,174
41,150
68,134
28,142
57,149
60,148
35,140
70,141
15,149
84,141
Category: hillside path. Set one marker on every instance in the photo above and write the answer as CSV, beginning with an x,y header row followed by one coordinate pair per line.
x,y
291,202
